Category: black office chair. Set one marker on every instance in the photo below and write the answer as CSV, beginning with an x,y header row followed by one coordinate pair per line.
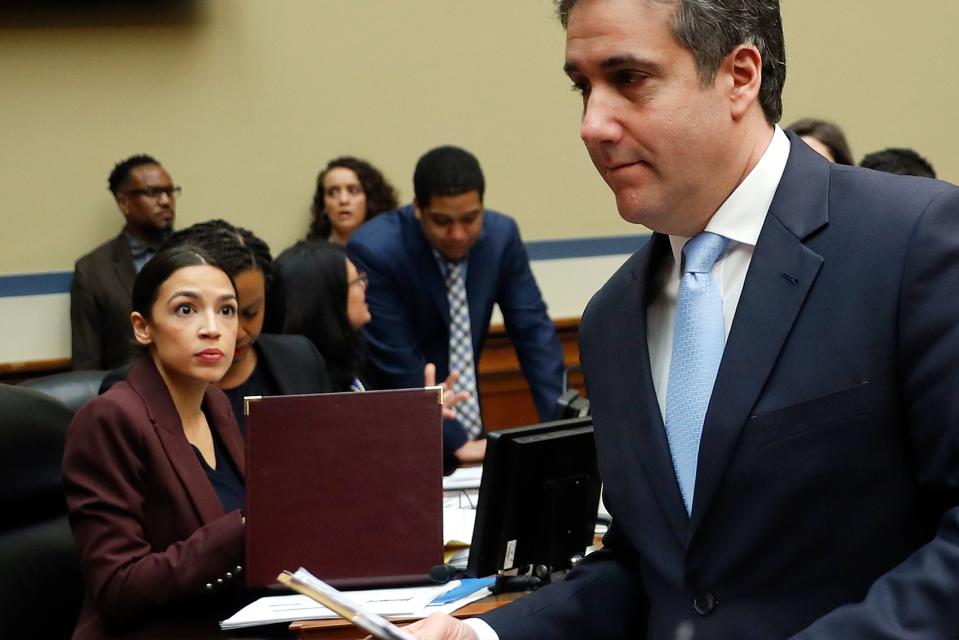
x,y
72,388
41,588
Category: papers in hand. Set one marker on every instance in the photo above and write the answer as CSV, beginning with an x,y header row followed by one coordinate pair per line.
x,y
308,584
409,603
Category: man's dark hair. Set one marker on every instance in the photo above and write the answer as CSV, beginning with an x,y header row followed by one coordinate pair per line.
x,y
447,171
828,133
235,249
380,194
711,29
121,171
904,162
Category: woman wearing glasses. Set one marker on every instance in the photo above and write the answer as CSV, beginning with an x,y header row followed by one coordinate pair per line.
x,y
320,294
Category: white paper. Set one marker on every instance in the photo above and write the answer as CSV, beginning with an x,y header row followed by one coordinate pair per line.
x,y
463,478
458,525
400,603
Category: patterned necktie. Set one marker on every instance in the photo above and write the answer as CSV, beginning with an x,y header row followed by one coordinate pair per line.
x,y
461,350
698,340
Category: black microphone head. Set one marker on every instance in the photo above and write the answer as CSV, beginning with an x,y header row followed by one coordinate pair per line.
x,y
443,573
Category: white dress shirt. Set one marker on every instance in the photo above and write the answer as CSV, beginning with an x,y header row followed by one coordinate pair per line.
x,y
740,218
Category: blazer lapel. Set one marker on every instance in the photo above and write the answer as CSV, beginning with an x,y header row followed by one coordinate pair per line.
x,y
424,262
780,275
166,421
651,447
224,422
123,262
479,268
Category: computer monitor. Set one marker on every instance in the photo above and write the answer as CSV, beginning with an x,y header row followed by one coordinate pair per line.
x,y
538,497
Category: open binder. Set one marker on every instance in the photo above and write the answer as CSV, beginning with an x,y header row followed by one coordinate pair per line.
x,y
349,484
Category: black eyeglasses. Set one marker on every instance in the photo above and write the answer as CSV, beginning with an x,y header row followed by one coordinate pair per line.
x,y
361,278
154,192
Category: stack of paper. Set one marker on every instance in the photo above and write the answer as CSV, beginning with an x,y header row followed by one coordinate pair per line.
x,y
414,602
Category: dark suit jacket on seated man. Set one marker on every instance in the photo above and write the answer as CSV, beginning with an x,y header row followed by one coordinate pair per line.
x,y
825,475
100,293
406,254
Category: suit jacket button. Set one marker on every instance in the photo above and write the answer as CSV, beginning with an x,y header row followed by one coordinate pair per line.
x,y
228,575
208,586
239,569
219,582
704,603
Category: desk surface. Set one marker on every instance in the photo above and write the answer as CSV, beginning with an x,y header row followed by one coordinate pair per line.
x,y
340,629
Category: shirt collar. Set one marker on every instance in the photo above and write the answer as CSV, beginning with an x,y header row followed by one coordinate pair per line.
x,y
138,248
445,263
740,218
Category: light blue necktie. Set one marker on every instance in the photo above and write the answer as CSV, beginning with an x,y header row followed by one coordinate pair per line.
x,y
698,340
461,351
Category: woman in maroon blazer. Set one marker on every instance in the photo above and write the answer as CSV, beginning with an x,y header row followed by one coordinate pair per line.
x,y
153,469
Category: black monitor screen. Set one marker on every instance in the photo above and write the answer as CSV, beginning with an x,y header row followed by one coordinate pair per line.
x,y
538,497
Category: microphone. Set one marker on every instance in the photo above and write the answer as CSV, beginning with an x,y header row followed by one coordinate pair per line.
x,y
443,573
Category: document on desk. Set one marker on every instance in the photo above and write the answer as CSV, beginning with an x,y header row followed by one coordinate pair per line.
x,y
409,603
464,478
458,526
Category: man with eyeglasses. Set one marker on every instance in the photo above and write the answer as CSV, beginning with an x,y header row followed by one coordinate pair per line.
x,y
100,294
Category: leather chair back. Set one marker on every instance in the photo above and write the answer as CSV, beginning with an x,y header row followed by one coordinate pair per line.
x,y
41,588
72,388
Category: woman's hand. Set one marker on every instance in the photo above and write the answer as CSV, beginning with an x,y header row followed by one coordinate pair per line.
x,y
450,397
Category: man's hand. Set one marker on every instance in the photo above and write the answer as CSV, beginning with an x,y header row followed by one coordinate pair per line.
x,y
472,452
450,397
440,626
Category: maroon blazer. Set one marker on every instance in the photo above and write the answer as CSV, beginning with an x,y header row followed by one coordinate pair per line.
x,y
152,534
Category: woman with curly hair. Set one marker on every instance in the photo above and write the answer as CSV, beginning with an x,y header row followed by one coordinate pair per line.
x,y
349,192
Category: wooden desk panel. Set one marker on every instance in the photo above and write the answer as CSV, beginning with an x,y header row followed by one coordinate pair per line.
x,y
504,393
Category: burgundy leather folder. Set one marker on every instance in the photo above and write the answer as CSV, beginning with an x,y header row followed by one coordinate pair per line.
x,y
348,485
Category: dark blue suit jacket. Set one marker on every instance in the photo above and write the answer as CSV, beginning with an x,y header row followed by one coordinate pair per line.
x,y
828,478
407,298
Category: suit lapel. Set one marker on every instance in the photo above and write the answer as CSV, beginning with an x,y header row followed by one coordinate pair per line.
x,y
146,380
424,263
781,273
651,446
123,263
478,271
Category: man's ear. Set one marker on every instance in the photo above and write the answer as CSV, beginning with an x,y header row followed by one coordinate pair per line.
x,y
745,68
141,329
123,202
416,209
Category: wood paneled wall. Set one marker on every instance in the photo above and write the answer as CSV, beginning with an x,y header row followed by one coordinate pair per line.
x,y
504,394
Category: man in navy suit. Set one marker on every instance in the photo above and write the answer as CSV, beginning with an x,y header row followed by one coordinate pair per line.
x,y
825,475
408,255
